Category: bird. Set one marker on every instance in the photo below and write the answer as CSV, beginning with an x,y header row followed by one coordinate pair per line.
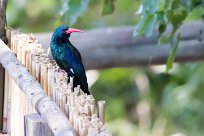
x,y
68,57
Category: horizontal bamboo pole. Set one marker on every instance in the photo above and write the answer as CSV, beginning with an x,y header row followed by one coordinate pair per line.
x,y
47,108
117,47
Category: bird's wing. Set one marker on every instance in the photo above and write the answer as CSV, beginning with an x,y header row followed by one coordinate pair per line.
x,y
76,52
71,60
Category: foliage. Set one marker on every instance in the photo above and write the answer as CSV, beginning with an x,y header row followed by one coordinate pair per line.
x,y
153,12
72,9
32,15
181,97
111,91
175,100
173,53
108,7
162,13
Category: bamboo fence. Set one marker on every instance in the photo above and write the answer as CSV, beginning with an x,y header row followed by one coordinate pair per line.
x,y
79,108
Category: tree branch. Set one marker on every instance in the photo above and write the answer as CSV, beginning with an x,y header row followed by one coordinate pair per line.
x,y
116,47
3,5
3,21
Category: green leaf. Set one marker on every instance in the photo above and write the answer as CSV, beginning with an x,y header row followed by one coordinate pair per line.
x,y
108,7
175,4
146,25
161,17
162,28
72,9
163,40
166,12
177,16
148,20
172,55
150,6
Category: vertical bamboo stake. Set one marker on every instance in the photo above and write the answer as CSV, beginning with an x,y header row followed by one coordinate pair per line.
x,y
42,75
92,106
19,50
15,49
23,55
64,99
30,56
45,74
60,99
20,96
14,96
27,59
33,68
50,81
5,110
9,107
13,106
101,111
38,71
21,110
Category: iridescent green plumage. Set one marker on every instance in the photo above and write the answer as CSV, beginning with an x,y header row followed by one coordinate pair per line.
x,y
68,57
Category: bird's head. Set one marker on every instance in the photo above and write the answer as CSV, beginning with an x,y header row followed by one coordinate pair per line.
x,y
62,34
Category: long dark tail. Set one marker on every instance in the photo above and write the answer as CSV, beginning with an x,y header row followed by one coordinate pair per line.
x,y
83,87
76,82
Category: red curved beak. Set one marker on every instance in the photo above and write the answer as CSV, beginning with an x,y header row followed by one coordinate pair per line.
x,y
71,30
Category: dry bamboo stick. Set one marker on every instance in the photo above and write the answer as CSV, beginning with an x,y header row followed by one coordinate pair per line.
x,y
33,71
5,110
57,96
21,99
38,71
44,77
14,46
24,52
19,51
30,56
8,35
64,100
21,110
50,80
27,60
13,99
101,111
12,127
60,99
9,112
9,104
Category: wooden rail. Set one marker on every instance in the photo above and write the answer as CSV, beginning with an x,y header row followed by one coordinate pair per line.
x,y
116,46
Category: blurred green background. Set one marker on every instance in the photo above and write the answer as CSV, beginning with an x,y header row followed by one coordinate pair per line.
x,y
140,101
